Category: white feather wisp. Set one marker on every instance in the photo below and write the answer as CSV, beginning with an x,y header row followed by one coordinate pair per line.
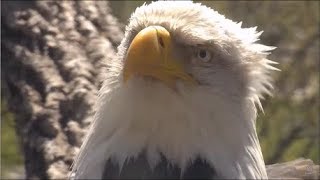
x,y
214,122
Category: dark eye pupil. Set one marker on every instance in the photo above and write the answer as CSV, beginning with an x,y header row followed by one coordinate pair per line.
x,y
202,54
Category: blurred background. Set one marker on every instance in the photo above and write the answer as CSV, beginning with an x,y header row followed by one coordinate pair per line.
x,y
289,128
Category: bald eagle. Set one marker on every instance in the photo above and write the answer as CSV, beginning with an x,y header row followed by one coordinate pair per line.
x,y
179,99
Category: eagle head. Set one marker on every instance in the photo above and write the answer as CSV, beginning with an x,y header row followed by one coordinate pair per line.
x,y
181,90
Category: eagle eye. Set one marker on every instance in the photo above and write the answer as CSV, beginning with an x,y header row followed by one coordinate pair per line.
x,y
204,55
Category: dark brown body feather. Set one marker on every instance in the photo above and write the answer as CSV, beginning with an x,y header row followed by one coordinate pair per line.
x,y
139,168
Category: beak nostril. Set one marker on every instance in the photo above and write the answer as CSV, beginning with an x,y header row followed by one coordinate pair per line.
x,y
161,42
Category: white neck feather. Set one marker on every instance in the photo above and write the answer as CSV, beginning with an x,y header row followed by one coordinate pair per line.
x,y
183,126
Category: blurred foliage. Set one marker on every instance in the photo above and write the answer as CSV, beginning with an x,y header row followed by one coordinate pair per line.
x,y
10,154
289,128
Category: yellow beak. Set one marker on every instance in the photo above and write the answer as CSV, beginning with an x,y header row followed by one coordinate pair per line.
x,y
150,54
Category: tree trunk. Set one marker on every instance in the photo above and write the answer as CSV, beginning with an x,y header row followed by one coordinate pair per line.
x,y
53,55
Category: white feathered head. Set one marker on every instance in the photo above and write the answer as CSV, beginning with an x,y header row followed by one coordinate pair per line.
x,y
184,84
213,50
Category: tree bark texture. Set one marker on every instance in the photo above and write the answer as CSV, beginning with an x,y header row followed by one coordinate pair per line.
x,y
53,55
53,58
